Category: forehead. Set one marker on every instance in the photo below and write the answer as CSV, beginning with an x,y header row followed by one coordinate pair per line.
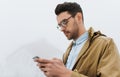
x,y
62,16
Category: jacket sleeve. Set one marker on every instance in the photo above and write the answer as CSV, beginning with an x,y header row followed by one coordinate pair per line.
x,y
76,74
109,64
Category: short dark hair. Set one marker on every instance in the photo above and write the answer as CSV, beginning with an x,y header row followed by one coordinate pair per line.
x,y
71,7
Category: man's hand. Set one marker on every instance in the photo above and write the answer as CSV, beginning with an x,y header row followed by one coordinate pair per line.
x,y
53,67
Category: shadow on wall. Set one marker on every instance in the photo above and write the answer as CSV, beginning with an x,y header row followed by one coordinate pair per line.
x,y
21,64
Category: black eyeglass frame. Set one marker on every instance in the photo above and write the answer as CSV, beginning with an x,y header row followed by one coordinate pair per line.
x,y
63,23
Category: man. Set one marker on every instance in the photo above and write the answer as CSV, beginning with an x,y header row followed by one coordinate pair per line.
x,y
91,54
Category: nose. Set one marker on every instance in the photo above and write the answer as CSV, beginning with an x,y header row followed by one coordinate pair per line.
x,y
62,28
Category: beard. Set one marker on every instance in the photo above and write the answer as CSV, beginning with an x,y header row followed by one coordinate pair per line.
x,y
73,34
68,35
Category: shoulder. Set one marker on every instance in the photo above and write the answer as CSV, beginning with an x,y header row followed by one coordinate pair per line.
x,y
104,39
102,42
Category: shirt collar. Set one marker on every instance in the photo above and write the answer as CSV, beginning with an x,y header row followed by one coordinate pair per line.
x,y
81,39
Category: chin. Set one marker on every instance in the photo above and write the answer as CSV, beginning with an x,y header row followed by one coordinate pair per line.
x,y
69,38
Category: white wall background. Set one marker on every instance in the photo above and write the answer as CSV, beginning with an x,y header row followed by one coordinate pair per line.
x,y
28,28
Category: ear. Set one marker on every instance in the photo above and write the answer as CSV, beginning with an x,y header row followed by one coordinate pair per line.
x,y
78,17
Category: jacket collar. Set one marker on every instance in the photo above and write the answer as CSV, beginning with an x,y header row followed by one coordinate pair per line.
x,y
91,36
81,39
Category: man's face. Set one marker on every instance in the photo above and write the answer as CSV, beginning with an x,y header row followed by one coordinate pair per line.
x,y
68,25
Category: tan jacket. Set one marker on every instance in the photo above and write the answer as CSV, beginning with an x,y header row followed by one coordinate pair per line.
x,y
99,57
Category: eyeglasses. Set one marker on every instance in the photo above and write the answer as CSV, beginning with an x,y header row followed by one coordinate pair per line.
x,y
63,23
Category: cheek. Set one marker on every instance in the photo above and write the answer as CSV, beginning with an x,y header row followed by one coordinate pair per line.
x,y
70,28
74,30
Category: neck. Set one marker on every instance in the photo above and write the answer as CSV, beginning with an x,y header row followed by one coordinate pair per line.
x,y
82,30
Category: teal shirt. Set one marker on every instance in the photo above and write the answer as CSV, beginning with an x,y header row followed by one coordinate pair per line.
x,y
77,46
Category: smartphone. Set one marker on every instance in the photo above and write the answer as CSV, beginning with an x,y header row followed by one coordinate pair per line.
x,y
36,57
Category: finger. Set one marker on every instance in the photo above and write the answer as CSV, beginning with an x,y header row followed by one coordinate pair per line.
x,y
44,69
42,65
47,74
38,64
54,58
41,60
57,59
